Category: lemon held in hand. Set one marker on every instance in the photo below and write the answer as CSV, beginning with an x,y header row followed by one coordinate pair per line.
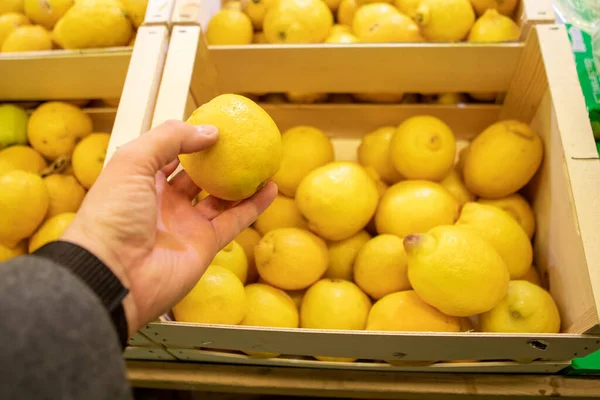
x,y
456,271
423,147
502,159
527,308
247,154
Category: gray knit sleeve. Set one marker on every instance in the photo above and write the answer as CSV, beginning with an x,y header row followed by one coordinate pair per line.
x,y
57,340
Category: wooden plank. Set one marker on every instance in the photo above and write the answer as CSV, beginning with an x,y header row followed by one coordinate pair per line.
x,y
580,166
159,12
147,353
355,384
103,118
139,96
64,74
541,367
384,67
356,120
405,346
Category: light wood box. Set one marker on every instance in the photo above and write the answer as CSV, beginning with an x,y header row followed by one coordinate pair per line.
x,y
542,88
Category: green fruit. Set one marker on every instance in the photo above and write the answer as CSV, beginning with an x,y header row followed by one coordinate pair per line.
x,y
13,125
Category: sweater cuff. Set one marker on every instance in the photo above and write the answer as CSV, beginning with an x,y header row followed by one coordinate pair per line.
x,y
96,275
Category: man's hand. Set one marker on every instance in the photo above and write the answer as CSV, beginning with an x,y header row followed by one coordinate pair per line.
x,y
145,228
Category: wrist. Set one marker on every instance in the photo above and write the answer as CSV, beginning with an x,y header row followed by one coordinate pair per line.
x,y
74,234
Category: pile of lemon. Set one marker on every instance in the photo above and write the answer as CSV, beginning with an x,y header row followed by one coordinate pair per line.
x,y
367,21
48,161
421,233
34,25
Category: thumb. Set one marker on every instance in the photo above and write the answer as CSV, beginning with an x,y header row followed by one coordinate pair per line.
x,y
161,145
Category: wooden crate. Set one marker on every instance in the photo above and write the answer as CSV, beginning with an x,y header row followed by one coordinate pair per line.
x,y
542,88
77,74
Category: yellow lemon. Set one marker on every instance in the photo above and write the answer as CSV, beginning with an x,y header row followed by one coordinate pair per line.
x,y
388,27
27,38
23,205
334,304
55,127
502,159
381,267
342,255
51,230
234,259
291,258
282,213
374,152
6,253
88,158
454,184
46,12
423,147
304,149
256,11
94,24
247,154
345,12
415,207
298,21
135,10
445,20
382,187
337,199
494,27
7,6
21,157
384,98
518,208
66,194
305,98
405,311
407,7
13,125
271,307
451,98
456,271
296,296
527,308
9,22
532,276
503,232
230,26
343,37
249,238
505,7
217,298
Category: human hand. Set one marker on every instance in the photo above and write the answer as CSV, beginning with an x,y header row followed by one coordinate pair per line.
x,y
146,230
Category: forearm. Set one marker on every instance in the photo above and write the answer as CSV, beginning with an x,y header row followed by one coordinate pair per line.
x,y
58,340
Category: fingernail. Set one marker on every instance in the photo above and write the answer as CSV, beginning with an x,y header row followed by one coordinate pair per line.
x,y
207,130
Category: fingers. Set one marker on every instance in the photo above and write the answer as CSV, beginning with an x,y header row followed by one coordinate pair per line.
x,y
231,222
157,148
170,168
184,185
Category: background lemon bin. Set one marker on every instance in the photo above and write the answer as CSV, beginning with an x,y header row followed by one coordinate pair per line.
x,y
540,86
